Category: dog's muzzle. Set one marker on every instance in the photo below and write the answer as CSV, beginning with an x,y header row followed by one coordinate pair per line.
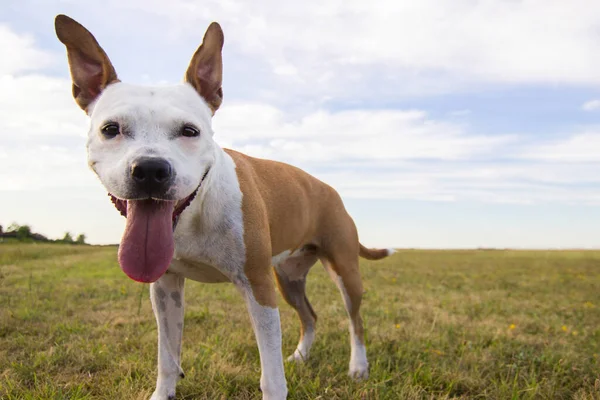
x,y
151,177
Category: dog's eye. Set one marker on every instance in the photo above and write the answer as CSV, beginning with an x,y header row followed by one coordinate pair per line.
x,y
110,130
189,131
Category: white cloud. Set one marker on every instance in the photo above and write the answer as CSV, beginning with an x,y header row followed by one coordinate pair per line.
x,y
353,50
405,154
35,166
33,104
20,54
592,105
38,105
452,183
359,135
583,146
329,41
460,113
41,129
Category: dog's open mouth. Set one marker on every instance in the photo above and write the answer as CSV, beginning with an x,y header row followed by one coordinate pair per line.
x,y
147,246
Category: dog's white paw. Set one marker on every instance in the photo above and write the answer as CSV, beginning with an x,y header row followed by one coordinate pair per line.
x,y
165,386
359,372
297,357
159,395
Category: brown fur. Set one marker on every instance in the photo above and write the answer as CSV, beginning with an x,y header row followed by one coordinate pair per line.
x,y
372,254
284,208
205,72
91,69
294,293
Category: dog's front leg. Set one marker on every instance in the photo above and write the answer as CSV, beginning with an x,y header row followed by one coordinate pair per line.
x,y
267,328
167,302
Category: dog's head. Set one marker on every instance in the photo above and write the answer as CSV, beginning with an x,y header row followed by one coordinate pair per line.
x,y
151,147
145,142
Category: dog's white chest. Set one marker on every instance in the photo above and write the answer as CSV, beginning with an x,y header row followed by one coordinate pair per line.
x,y
209,257
209,239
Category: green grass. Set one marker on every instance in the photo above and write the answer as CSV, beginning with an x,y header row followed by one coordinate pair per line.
x,y
439,324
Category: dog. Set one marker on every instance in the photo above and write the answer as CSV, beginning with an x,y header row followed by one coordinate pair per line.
x,y
197,211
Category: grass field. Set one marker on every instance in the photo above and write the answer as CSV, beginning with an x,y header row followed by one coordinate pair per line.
x,y
439,324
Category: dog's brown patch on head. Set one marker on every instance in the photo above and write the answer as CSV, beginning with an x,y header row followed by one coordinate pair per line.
x,y
205,72
91,69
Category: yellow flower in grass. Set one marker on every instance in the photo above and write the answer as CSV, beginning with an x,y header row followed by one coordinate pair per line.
x,y
397,326
564,328
574,333
512,327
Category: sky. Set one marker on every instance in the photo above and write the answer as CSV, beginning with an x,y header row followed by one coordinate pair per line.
x,y
443,124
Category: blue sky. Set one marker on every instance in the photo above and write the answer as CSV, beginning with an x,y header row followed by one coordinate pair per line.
x,y
442,124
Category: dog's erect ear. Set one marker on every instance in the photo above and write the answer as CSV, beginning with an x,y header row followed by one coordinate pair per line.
x,y
205,72
91,70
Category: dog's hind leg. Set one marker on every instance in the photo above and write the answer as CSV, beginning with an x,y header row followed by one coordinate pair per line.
x,y
293,291
166,295
343,269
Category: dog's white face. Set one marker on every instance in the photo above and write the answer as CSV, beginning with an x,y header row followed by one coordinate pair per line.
x,y
170,123
150,146
146,142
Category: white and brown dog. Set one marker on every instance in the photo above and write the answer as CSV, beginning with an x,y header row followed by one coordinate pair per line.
x,y
153,150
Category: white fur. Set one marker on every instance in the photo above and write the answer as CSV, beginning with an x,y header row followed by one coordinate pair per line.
x,y
167,302
210,233
391,251
150,118
302,352
359,366
281,257
267,329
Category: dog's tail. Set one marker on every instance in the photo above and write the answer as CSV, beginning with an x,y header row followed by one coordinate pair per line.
x,y
374,254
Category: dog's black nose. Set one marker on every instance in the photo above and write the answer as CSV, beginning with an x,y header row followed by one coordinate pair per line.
x,y
152,175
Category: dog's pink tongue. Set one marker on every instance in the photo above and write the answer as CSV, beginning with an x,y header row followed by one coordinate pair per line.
x,y
147,246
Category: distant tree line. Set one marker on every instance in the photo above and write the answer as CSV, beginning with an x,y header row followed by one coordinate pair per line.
x,y
23,233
